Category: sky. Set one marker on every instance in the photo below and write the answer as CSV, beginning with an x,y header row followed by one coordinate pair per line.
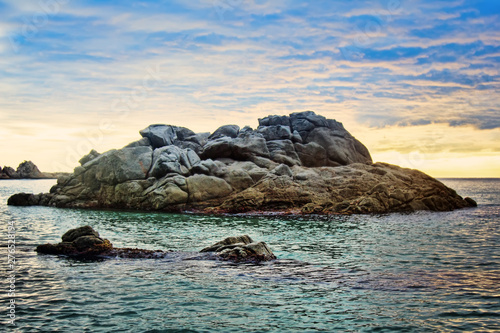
x,y
417,81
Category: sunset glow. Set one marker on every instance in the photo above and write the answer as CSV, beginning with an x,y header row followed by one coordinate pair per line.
x,y
416,81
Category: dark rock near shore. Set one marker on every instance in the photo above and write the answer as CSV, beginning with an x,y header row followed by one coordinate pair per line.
x,y
302,163
72,234
81,242
24,199
85,243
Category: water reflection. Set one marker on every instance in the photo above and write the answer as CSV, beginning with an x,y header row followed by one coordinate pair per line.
x,y
419,272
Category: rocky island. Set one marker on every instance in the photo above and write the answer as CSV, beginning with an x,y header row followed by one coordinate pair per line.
x,y
301,163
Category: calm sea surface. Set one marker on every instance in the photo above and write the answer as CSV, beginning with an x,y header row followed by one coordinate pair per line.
x,y
423,272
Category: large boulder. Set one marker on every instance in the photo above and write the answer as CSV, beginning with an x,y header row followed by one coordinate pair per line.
x,y
304,122
73,234
81,242
275,132
118,166
312,155
218,148
159,135
244,147
169,191
283,151
226,130
275,121
340,148
172,159
248,145
202,188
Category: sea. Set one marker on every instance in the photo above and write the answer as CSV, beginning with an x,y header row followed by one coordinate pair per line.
x,y
419,272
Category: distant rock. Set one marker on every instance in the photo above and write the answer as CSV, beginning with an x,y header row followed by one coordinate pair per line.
x,y
26,170
303,163
8,173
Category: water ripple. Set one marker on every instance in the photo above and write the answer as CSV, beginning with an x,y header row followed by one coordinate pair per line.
x,y
409,273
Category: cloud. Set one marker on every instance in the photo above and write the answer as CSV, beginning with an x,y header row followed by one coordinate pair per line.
x,y
376,65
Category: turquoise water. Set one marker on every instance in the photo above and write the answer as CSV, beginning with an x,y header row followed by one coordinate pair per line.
x,y
408,273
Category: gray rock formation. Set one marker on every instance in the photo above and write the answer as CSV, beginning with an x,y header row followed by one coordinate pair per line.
x,y
302,163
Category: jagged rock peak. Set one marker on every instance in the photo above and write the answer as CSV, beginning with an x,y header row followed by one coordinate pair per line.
x,y
302,138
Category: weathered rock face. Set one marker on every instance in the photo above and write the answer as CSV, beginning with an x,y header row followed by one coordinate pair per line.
x,y
302,163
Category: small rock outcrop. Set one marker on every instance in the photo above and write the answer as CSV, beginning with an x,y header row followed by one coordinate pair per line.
x,y
80,242
241,249
301,163
85,243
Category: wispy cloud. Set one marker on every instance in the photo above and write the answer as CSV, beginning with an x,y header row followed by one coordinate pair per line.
x,y
385,64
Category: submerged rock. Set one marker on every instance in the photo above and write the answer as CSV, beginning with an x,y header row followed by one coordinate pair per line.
x,y
301,163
